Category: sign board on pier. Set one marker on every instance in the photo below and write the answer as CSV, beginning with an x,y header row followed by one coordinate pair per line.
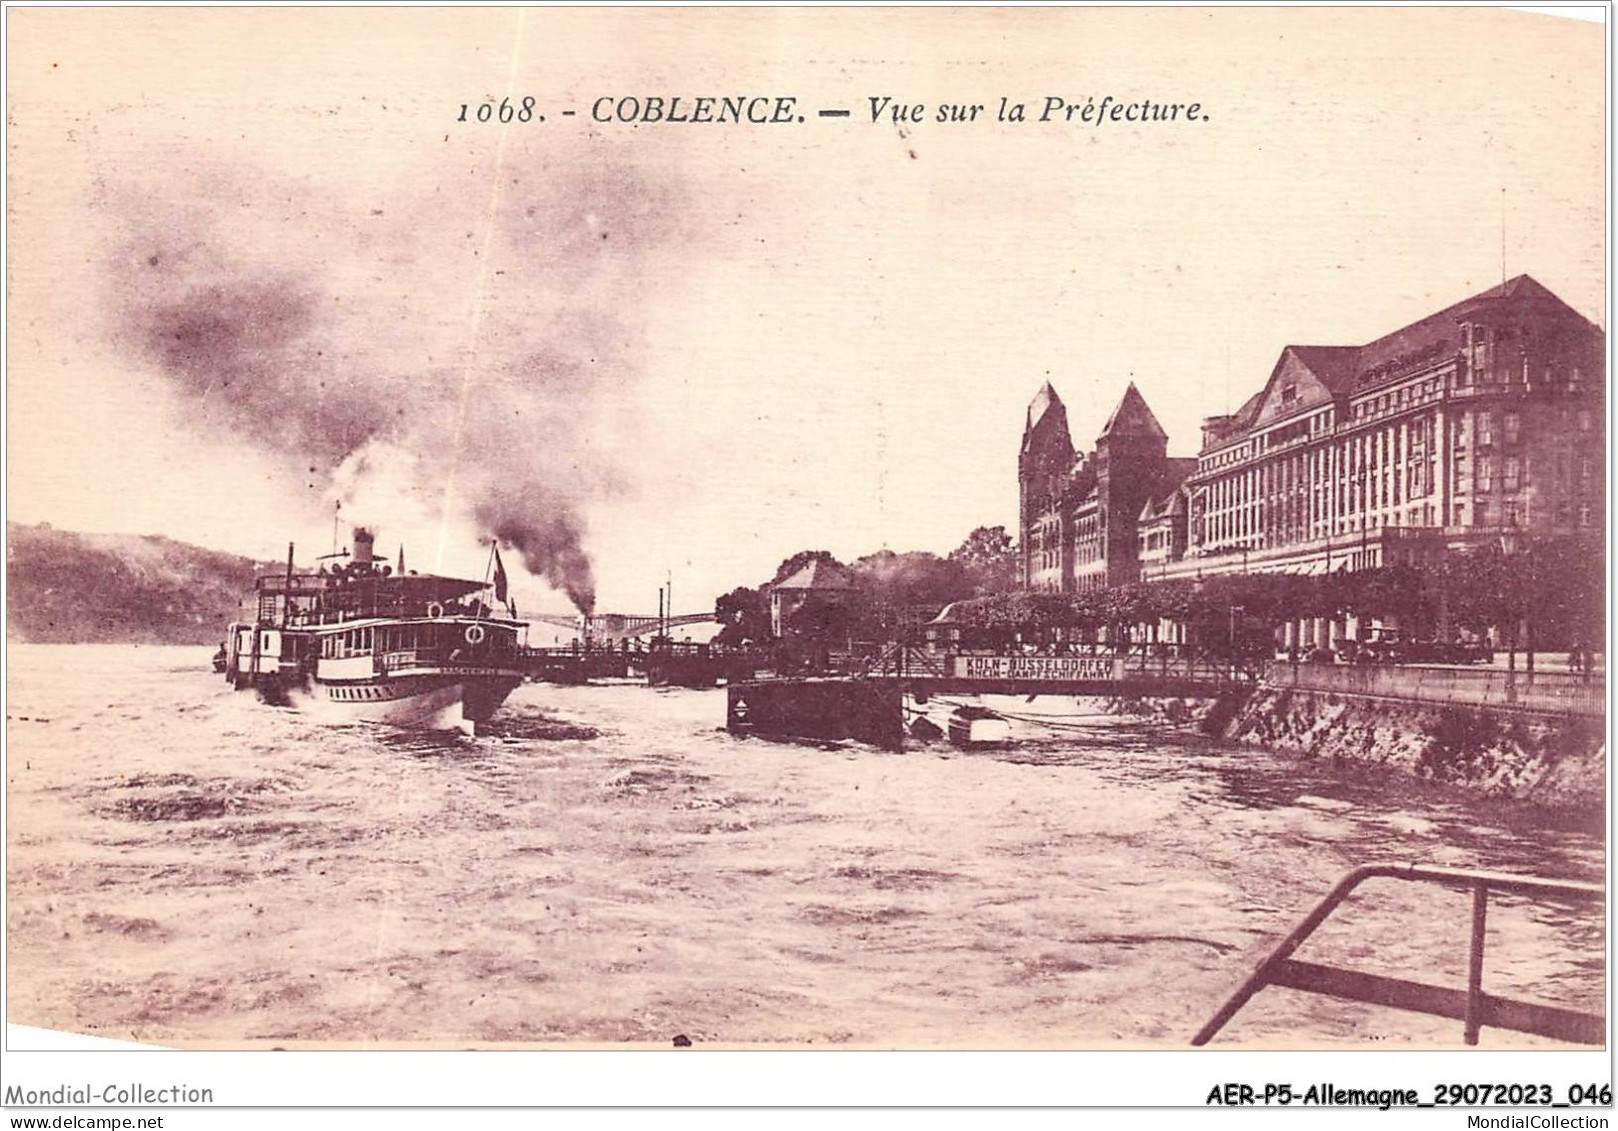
x,y
1040,668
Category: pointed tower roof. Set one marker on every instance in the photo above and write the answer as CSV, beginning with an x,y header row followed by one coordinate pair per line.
x,y
1044,400
1133,418
1047,423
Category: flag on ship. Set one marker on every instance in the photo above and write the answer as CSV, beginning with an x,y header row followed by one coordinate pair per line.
x,y
501,591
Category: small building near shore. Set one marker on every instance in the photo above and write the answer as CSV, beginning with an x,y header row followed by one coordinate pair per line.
x,y
819,585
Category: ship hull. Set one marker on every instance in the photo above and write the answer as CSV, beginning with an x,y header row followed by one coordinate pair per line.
x,y
424,701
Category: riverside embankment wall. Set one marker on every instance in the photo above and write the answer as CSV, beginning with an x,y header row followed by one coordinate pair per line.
x,y
1538,739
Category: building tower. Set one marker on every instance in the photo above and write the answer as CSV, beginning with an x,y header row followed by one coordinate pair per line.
x,y
1043,464
1131,459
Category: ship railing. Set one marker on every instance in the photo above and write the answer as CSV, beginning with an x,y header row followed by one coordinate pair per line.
x,y
1473,1006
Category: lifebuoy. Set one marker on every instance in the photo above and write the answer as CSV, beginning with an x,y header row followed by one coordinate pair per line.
x,y
435,610
474,634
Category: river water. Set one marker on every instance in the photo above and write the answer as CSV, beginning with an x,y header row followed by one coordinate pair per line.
x,y
190,866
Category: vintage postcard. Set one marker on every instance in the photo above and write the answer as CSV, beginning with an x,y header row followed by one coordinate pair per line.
x,y
866,528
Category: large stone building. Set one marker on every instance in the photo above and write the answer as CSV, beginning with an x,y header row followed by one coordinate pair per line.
x,y
1480,423
1080,513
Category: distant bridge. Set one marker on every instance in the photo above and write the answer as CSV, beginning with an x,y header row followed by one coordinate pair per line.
x,y
621,626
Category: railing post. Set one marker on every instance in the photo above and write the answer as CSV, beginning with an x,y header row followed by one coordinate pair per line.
x,y
1474,970
1260,977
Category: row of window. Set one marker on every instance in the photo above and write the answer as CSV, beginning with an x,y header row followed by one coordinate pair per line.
x,y
405,638
1479,355
1513,479
1383,468
341,645
1400,399
1482,425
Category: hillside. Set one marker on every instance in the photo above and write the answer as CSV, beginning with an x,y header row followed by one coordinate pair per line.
x,y
68,588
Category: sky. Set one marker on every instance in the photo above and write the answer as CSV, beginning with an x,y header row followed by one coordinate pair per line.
x,y
258,268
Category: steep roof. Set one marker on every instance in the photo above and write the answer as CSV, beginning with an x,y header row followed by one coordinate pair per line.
x,y
1439,333
818,574
1331,365
1244,415
1046,432
1166,497
1177,470
1132,417
1044,400
1342,371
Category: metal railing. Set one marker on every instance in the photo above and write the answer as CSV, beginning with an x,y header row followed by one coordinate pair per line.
x,y
899,660
1472,1006
1560,692
922,663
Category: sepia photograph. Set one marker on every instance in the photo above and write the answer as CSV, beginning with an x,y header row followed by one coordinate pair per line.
x,y
652,530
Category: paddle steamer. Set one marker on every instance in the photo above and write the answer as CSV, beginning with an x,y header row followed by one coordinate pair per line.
x,y
359,640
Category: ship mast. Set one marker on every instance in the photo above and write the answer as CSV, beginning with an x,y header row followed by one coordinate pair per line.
x,y
286,593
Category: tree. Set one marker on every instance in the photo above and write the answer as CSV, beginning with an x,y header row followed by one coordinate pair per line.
x,y
744,616
1397,591
1566,586
797,561
989,555
891,582
1552,585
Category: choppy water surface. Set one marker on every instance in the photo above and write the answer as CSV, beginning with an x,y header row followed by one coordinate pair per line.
x,y
188,865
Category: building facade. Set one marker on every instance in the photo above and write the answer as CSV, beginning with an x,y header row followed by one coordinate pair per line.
x,y
1080,514
1482,422
819,584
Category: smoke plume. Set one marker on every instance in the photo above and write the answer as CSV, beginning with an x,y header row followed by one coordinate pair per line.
x,y
457,355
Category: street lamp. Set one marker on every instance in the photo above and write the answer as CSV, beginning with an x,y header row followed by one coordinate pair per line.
x,y
1510,545
1234,610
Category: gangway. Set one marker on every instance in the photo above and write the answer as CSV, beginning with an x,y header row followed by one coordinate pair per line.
x,y
1472,1006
